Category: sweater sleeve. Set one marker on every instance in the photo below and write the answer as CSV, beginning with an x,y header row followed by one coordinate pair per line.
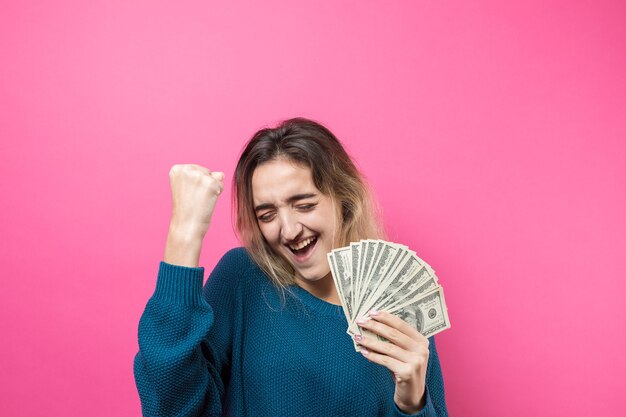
x,y
434,382
176,371
435,397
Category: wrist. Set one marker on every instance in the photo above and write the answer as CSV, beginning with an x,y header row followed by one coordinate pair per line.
x,y
183,246
411,408
186,231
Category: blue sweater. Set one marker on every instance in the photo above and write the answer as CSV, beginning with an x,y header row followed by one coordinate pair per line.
x,y
239,348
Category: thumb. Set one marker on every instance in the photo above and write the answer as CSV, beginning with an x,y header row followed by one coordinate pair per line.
x,y
218,175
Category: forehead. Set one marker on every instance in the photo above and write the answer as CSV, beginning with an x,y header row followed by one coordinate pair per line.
x,y
278,180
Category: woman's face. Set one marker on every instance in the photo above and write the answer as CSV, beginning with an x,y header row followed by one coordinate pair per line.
x,y
296,219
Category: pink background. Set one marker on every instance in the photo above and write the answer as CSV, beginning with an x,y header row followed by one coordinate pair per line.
x,y
493,134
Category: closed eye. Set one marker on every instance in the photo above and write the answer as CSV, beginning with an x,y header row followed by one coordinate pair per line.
x,y
305,207
266,217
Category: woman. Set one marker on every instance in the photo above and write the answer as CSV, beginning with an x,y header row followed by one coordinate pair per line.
x,y
266,335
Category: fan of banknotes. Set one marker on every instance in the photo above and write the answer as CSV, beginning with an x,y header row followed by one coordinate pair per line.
x,y
380,275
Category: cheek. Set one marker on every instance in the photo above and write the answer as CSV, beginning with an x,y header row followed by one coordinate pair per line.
x,y
268,230
326,218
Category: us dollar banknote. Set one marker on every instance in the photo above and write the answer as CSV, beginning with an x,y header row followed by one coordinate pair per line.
x,y
379,275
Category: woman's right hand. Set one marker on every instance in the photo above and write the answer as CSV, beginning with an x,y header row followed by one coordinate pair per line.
x,y
195,191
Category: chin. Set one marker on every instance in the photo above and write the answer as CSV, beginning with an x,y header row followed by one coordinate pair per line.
x,y
313,276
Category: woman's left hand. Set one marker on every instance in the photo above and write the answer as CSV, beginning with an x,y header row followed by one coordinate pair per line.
x,y
405,355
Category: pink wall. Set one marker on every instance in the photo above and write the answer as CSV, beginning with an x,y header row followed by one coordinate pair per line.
x,y
493,133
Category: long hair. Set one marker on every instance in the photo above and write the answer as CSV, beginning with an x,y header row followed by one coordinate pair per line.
x,y
308,144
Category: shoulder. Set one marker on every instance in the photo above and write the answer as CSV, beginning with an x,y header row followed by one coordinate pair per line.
x,y
238,259
235,275
234,265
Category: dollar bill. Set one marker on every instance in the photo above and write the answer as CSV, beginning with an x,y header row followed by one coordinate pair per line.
x,y
379,275
341,270
428,314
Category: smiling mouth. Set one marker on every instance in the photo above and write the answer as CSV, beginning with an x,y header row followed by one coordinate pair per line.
x,y
303,247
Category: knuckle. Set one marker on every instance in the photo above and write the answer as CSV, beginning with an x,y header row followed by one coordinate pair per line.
x,y
196,175
406,370
394,335
386,348
418,360
192,170
414,347
174,170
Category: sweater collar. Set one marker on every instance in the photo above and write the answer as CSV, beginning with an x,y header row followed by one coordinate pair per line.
x,y
315,304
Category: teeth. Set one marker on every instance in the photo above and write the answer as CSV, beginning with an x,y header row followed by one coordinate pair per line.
x,y
302,244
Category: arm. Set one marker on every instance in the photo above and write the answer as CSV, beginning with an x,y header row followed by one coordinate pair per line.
x,y
176,370
172,373
434,395
412,360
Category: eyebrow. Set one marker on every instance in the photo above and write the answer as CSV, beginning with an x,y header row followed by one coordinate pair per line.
x,y
290,200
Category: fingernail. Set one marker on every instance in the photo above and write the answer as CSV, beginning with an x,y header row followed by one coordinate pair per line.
x,y
373,312
358,338
364,351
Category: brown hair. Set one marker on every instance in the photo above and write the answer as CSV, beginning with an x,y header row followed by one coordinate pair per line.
x,y
309,144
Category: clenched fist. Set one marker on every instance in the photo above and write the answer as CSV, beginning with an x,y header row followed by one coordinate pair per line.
x,y
195,191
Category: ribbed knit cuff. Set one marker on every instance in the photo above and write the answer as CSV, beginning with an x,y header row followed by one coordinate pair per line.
x,y
179,284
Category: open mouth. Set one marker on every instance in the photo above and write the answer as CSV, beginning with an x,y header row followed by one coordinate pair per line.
x,y
304,247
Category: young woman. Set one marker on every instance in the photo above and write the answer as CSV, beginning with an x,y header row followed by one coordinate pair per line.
x,y
266,335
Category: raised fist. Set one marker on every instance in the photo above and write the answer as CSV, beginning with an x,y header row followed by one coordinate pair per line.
x,y
195,191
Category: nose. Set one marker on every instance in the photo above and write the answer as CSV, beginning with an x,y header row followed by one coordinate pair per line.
x,y
290,227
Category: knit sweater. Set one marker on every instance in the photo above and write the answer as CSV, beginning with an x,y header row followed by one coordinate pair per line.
x,y
240,347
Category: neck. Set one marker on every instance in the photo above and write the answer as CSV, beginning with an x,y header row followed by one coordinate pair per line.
x,y
323,288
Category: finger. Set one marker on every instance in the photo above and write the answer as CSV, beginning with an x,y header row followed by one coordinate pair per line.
x,y
218,180
397,323
391,334
388,362
217,186
372,344
195,167
387,330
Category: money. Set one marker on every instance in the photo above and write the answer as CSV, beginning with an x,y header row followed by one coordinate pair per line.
x,y
379,275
